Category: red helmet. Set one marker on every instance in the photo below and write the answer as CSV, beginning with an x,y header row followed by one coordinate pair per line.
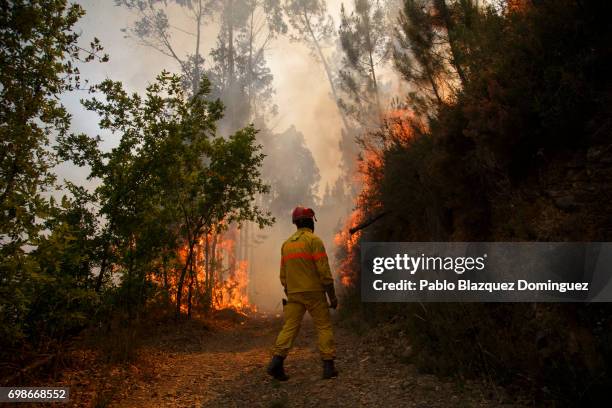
x,y
301,213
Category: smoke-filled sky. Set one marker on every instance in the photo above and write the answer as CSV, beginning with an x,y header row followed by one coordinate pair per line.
x,y
302,97
302,90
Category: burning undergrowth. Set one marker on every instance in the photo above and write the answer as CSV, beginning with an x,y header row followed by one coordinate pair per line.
x,y
214,276
398,129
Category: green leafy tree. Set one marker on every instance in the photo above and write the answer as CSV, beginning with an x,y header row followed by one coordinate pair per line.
x,y
65,298
39,52
171,175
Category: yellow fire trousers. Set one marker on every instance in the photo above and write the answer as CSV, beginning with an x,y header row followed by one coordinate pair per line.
x,y
316,305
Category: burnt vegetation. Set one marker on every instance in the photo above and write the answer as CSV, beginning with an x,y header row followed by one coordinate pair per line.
x,y
505,136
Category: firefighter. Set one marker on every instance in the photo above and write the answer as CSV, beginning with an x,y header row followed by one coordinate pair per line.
x,y
306,279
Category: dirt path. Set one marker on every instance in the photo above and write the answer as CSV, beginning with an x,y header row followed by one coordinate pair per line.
x,y
226,368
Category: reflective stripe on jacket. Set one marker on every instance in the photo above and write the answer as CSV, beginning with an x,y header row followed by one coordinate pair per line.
x,y
304,263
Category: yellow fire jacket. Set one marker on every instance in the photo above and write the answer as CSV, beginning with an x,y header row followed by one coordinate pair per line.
x,y
304,263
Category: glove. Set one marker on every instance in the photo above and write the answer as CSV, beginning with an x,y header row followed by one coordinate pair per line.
x,y
331,294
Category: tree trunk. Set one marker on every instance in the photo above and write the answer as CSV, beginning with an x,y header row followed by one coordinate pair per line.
x,y
434,86
196,66
130,271
206,261
190,291
211,249
179,289
230,65
103,267
250,64
452,40
165,274
372,68
230,44
326,67
231,255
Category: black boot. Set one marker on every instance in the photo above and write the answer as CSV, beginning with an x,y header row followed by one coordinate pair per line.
x,y
276,370
329,371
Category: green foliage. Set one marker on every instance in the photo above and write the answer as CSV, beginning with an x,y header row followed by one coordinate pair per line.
x,y
38,57
93,256
237,72
64,297
171,178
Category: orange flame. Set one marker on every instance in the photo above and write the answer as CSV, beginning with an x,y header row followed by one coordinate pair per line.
x,y
346,247
398,127
219,280
232,292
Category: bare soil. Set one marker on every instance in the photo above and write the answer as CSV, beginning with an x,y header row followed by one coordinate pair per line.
x,y
222,364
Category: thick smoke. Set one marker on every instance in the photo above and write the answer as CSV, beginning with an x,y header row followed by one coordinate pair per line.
x,y
309,153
